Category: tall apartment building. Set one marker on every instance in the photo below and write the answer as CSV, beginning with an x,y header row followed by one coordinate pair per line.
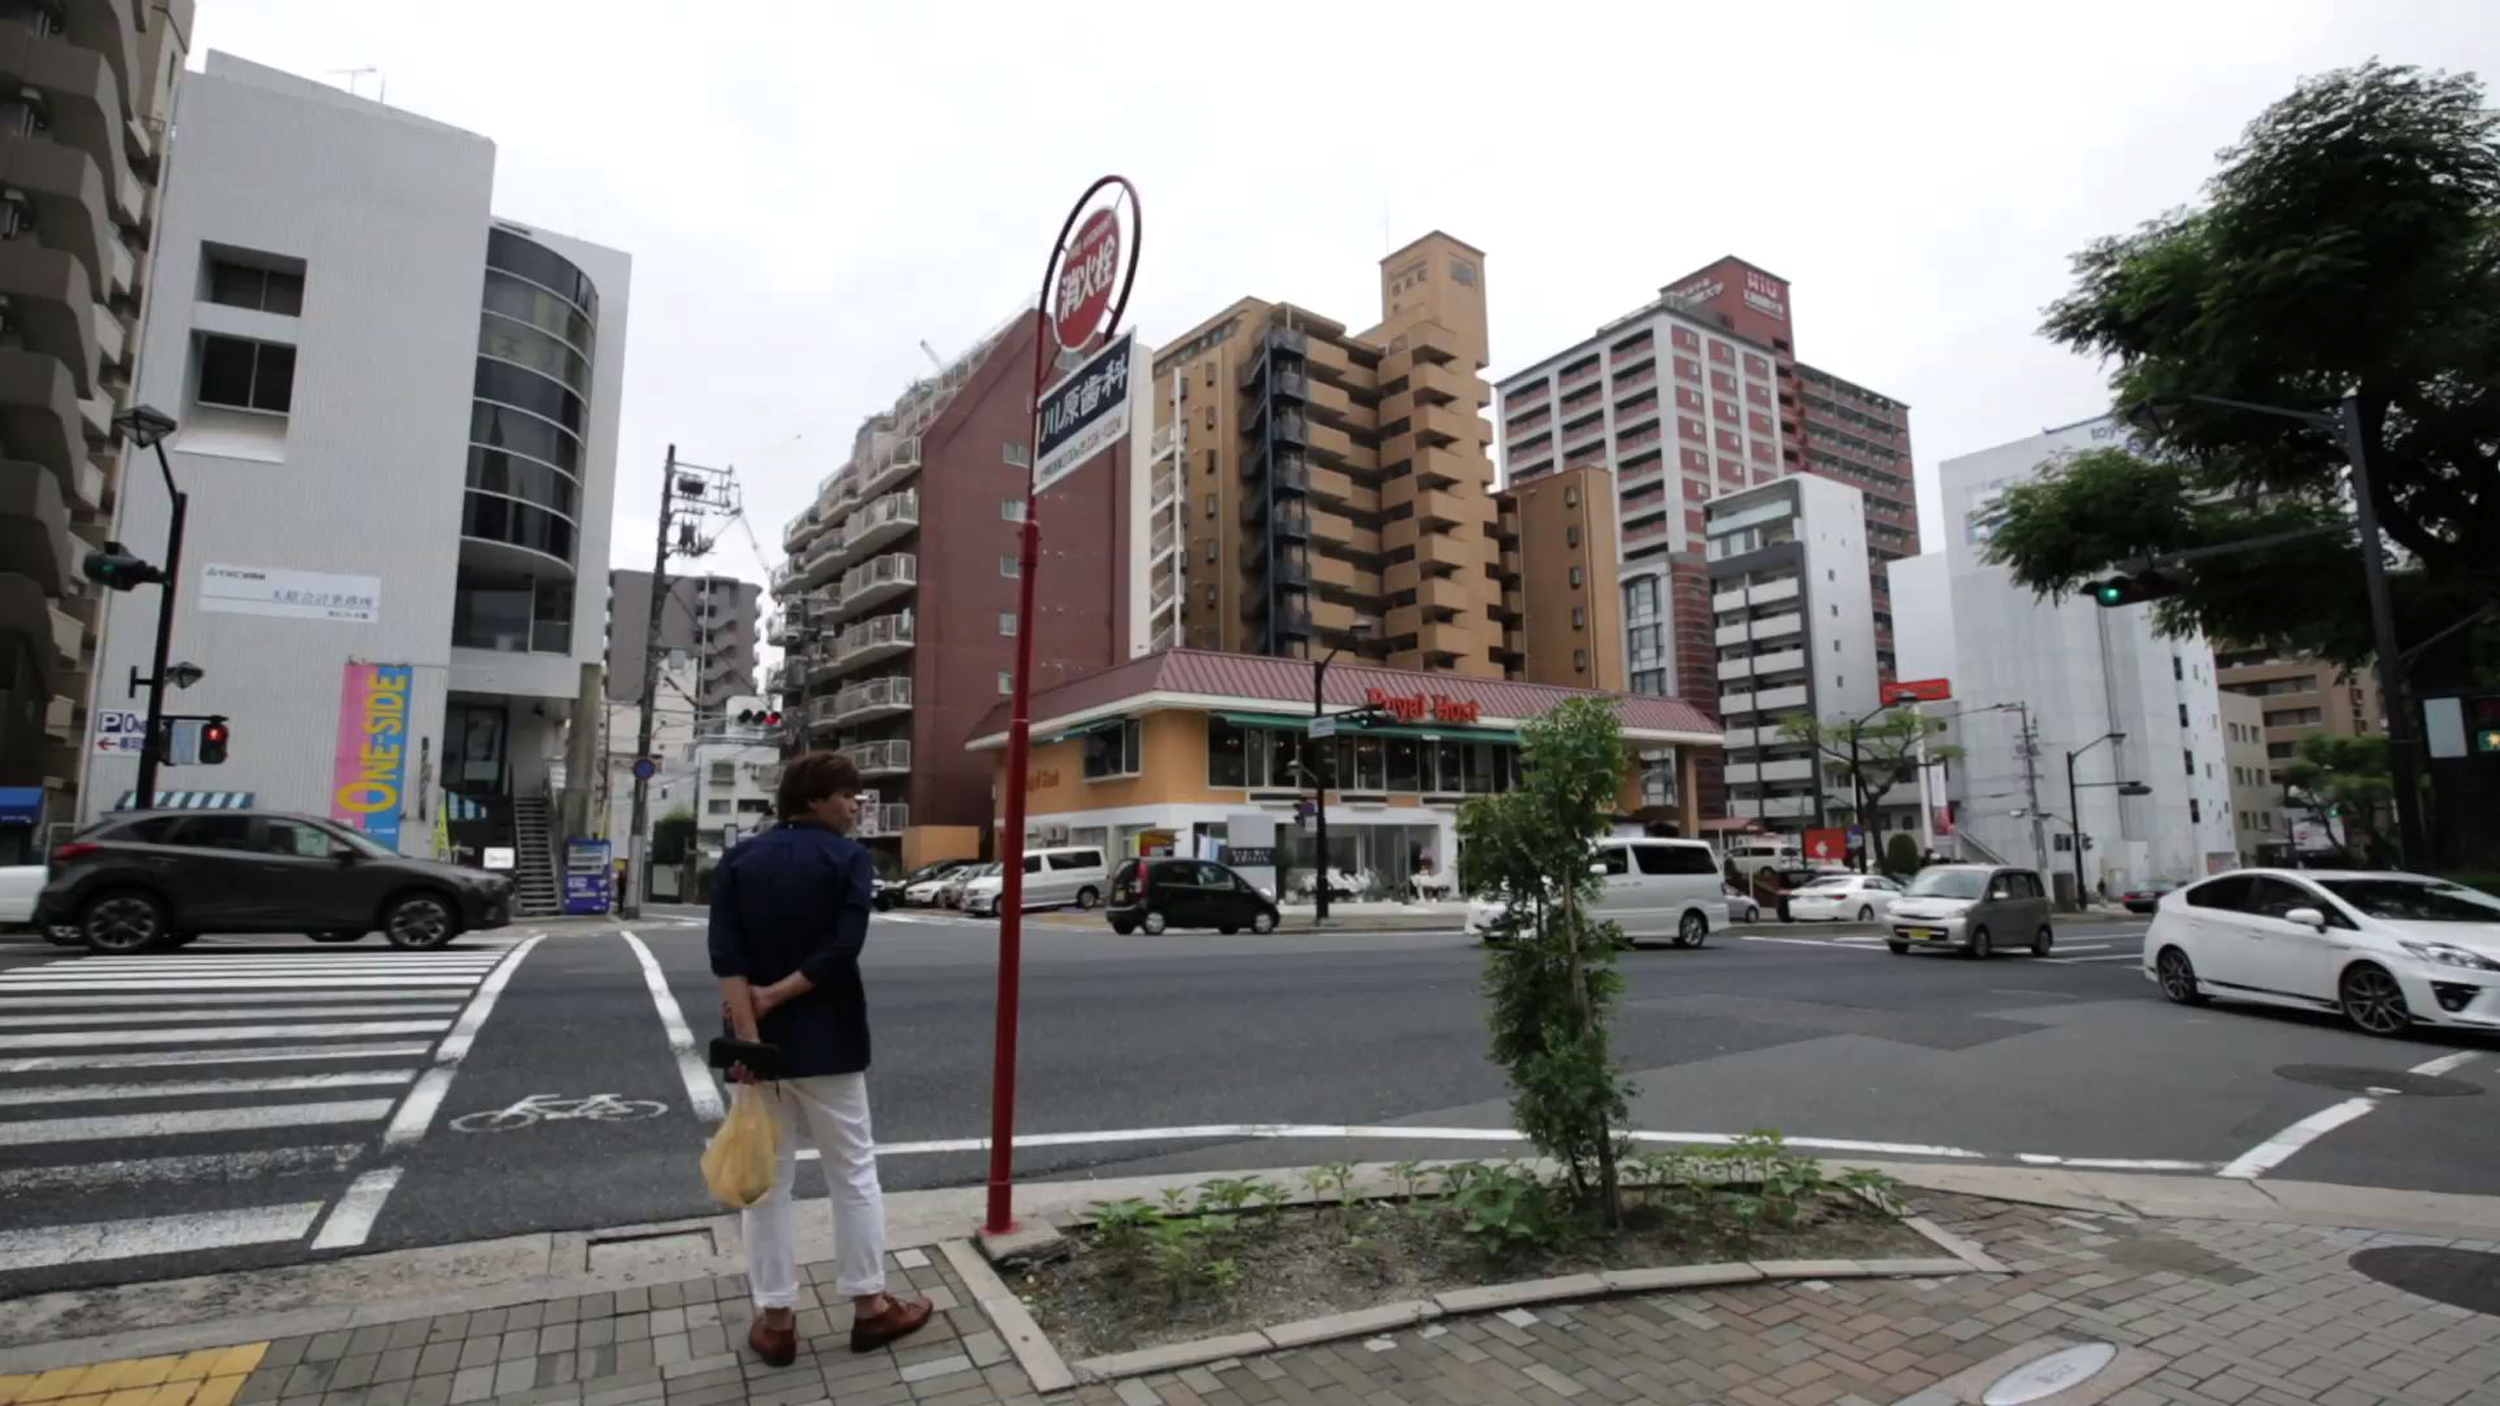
x,y
1563,597
713,619
88,114
897,606
2260,822
1829,426
1328,478
398,436
2301,697
1795,638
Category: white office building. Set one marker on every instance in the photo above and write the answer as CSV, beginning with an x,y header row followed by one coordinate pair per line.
x,y
1795,631
2078,673
398,441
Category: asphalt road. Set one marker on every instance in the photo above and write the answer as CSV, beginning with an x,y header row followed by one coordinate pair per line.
x,y
156,1119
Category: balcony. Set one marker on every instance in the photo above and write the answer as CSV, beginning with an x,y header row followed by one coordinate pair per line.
x,y
820,713
1434,423
1442,593
1435,508
880,758
1337,573
801,528
1766,594
877,523
877,698
1780,700
890,464
781,630
1578,375
882,821
878,637
1288,571
822,562
1290,522
1770,627
877,581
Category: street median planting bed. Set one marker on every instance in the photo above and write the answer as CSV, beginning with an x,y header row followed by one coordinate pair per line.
x,y
1247,1263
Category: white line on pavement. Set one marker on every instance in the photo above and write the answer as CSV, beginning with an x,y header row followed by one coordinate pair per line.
x,y
107,1017
1385,1131
255,969
73,982
2445,1063
2113,1164
90,1177
205,1034
46,1245
235,998
416,1113
152,1059
2105,957
702,1095
303,959
2271,1153
185,1088
194,1120
351,1220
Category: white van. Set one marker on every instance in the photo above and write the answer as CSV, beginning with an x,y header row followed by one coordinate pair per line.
x,y
1053,878
1652,888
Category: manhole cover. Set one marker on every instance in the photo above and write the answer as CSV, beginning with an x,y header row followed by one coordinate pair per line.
x,y
2467,1279
2354,1079
2044,1377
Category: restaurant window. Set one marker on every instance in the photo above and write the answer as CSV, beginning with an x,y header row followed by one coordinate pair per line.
x,y
1405,764
1228,753
1113,751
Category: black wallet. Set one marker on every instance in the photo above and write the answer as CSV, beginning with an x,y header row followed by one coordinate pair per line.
x,y
762,1060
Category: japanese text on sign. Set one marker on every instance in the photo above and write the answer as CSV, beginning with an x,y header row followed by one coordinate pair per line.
x,y
1084,414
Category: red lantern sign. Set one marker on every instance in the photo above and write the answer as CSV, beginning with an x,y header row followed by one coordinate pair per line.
x,y
1087,278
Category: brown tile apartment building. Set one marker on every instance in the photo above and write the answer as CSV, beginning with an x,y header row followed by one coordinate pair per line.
x,y
1330,478
89,93
897,607
2299,697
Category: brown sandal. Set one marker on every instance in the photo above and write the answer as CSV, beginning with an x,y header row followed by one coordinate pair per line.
x,y
902,1318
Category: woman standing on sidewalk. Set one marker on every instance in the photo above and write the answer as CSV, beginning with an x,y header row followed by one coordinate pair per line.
x,y
789,915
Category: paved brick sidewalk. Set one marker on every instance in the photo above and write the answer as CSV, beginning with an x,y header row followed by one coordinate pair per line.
x,y
2221,1313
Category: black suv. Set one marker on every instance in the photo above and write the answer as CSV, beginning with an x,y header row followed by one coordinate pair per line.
x,y
1155,894
138,882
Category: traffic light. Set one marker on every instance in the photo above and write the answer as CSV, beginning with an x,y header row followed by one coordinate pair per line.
x,y
2487,740
2135,585
116,568
214,734
759,717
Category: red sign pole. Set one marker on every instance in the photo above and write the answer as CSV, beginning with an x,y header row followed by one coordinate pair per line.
x,y
1075,320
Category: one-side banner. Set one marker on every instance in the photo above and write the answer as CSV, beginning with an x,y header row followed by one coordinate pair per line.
x,y
1084,414
369,774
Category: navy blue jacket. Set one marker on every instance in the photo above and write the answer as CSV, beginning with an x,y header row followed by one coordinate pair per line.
x,y
796,898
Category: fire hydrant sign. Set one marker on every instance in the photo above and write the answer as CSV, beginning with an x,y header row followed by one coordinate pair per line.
x,y
1084,414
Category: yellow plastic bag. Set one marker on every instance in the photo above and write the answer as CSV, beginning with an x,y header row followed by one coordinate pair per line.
x,y
738,1162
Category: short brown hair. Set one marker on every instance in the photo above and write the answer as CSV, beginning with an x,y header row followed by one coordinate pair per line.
x,y
805,780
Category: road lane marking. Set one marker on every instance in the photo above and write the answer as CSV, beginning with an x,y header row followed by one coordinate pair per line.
x,y
702,1095
186,1088
416,1112
204,1168
205,1034
152,1059
2105,957
262,1013
351,1220
2445,1063
30,1132
71,982
1385,1132
44,1246
233,998
2272,1153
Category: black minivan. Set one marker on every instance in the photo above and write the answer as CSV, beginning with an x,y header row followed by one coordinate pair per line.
x,y
1156,894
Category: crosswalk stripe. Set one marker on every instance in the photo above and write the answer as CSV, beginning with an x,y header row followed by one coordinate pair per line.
x,y
261,1013
196,1120
302,983
262,969
2109,957
185,1088
43,1246
233,998
90,1177
152,1059
204,1034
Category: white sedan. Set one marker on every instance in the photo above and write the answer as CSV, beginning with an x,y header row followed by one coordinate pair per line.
x,y
1844,898
2387,950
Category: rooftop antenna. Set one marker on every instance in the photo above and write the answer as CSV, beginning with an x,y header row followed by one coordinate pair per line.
x,y
381,84
931,353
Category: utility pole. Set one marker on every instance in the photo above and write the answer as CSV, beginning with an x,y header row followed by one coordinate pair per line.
x,y
2030,746
688,493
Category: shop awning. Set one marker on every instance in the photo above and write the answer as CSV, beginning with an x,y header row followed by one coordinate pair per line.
x,y
21,805
1448,732
1097,725
191,800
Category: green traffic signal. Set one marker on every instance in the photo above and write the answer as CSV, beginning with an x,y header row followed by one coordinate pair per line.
x,y
2487,740
115,568
2110,593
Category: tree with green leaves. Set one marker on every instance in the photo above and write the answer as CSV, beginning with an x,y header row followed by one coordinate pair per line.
x,y
671,836
1900,855
2349,245
1551,975
2344,778
1869,756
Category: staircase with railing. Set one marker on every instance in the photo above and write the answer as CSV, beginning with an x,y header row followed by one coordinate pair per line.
x,y
535,893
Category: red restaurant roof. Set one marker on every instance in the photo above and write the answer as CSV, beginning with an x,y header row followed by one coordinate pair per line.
x,y
1206,678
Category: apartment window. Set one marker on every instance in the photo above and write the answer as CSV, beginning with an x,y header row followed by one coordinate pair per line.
x,y
1210,551
245,375
1579,661
1009,566
2177,670
1012,509
2191,762
1014,452
1571,536
1006,681
242,285
1210,373
1462,273
2195,812
1575,576
1571,497
1210,417
1579,617
2183,715
1007,622
1114,751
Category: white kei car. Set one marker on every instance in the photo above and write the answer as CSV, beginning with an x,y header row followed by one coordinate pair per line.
x,y
2387,950
1844,898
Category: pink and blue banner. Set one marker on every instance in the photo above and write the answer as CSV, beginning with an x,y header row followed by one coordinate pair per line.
x,y
371,767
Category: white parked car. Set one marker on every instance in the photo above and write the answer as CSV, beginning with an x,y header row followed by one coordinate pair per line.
x,y
2387,950
1844,898
19,884
1652,887
1053,878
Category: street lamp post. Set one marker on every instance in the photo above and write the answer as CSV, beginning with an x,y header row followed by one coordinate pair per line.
x,y
147,428
2074,807
1321,774
2344,422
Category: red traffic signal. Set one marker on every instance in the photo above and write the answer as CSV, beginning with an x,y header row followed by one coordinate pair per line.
x,y
214,734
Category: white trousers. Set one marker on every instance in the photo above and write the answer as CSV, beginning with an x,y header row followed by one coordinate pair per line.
x,y
835,1107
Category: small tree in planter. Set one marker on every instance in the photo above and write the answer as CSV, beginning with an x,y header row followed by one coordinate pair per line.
x,y
1553,980
1900,855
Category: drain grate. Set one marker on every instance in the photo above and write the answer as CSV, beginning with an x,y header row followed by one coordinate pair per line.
x,y
2467,1279
2359,1079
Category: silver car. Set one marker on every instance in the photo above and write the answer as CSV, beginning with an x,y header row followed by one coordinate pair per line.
x,y
1973,909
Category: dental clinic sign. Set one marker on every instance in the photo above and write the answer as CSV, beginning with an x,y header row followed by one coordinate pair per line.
x,y
369,770
1084,414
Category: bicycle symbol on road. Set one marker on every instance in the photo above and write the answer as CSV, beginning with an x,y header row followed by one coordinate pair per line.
x,y
548,1108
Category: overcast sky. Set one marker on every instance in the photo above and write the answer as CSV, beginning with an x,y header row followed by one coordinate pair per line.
x,y
811,190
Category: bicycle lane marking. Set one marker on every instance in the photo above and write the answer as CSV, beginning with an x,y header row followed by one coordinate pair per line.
x,y
702,1094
